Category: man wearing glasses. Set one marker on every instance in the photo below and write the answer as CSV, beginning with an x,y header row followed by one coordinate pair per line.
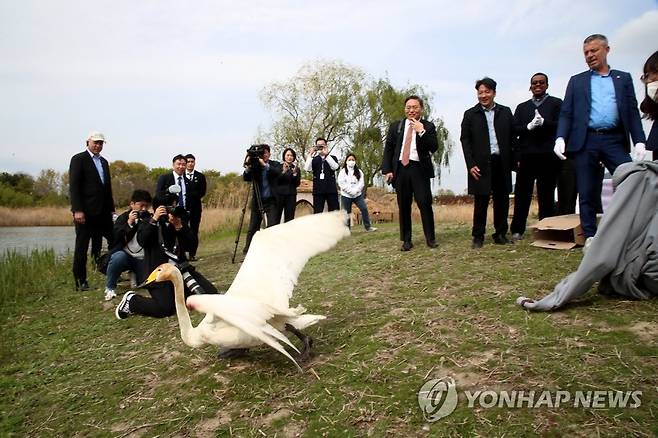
x,y
407,165
535,122
598,115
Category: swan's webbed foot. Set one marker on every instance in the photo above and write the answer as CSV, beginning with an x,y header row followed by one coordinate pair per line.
x,y
232,353
305,354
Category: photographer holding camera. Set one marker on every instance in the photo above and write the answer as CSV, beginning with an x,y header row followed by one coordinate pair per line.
x,y
127,254
264,173
324,168
166,238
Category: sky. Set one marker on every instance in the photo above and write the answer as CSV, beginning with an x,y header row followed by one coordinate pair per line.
x,y
163,77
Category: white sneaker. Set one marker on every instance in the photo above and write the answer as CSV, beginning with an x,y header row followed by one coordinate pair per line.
x,y
371,229
109,294
133,280
588,242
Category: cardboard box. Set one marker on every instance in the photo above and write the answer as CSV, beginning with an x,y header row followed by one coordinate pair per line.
x,y
558,232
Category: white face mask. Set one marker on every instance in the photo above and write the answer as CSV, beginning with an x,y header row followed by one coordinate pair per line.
x,y
351,164
652,90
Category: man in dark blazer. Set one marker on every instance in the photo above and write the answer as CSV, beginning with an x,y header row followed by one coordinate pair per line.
x,y
323,166
407,166
177,177
598,114
92,204
196,184
535,122
488,140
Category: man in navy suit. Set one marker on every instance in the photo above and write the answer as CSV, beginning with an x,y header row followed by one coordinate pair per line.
x,y
598,115
92,204
177,177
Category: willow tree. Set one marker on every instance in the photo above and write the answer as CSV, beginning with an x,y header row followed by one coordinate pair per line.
x,y
317,102
348,108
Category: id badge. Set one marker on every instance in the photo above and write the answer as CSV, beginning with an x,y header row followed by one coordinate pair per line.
x,y
322,176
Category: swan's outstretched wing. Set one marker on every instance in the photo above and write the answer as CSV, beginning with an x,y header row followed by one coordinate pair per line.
x,y
278,254
245,314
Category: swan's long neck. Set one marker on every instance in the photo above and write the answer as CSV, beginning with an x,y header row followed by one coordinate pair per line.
x,y
184,321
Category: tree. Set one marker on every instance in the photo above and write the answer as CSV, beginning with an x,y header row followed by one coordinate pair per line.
x,y
317,102
343,105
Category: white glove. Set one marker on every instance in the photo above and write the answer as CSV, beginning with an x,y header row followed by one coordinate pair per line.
x,y
639,152
559,148
536,122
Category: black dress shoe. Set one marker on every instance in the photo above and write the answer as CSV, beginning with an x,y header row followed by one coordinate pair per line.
x,y
500,239
82,286
432,243
192,258
406,246
477,243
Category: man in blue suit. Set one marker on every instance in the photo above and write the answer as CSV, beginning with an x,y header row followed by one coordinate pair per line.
x,y
598,115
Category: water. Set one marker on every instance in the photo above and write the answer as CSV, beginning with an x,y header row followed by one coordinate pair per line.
x,y
26,239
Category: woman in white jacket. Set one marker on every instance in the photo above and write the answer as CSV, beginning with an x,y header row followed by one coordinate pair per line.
x,y
351,183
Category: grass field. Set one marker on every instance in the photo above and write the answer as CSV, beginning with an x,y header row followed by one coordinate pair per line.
x,y
395,320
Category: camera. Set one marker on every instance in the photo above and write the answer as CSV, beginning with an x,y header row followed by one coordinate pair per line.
x,y
185,268
178,211
143,215
256,151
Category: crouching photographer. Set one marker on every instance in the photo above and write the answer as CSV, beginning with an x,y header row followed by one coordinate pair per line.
x,y
127,253
166,238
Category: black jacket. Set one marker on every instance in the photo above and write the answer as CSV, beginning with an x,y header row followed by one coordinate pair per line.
x,y
652,140
176,241
426,145
476,146
196,187
273,175
541,139
88,193
166,180
287,183
122,232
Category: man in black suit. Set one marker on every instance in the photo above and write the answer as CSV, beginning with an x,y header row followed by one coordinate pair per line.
x,y
92,204
264,174
323,166
488,141
177,177
196,184
407,165
535,122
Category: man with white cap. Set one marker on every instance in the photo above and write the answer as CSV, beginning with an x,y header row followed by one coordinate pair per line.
x,y
92,203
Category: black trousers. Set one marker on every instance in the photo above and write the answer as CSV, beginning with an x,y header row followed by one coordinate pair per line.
x,y
162,301
269,206
319,200
411,184
500,197
195,221
542,168
286,205
94,228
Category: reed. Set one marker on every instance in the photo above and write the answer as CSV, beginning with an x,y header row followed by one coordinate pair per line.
x,y
35,216
33,276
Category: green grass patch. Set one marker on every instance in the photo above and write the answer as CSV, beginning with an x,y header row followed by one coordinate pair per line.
x,y
394,321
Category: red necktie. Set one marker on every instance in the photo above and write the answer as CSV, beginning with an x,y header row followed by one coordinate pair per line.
x,y
406,148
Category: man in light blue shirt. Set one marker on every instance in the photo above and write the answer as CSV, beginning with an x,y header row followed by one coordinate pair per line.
x,y
598,115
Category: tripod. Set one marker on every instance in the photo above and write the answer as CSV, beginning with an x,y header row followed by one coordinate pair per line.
x,y
255,187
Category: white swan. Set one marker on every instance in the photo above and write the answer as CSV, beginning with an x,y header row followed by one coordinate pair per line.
x,y
255,309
